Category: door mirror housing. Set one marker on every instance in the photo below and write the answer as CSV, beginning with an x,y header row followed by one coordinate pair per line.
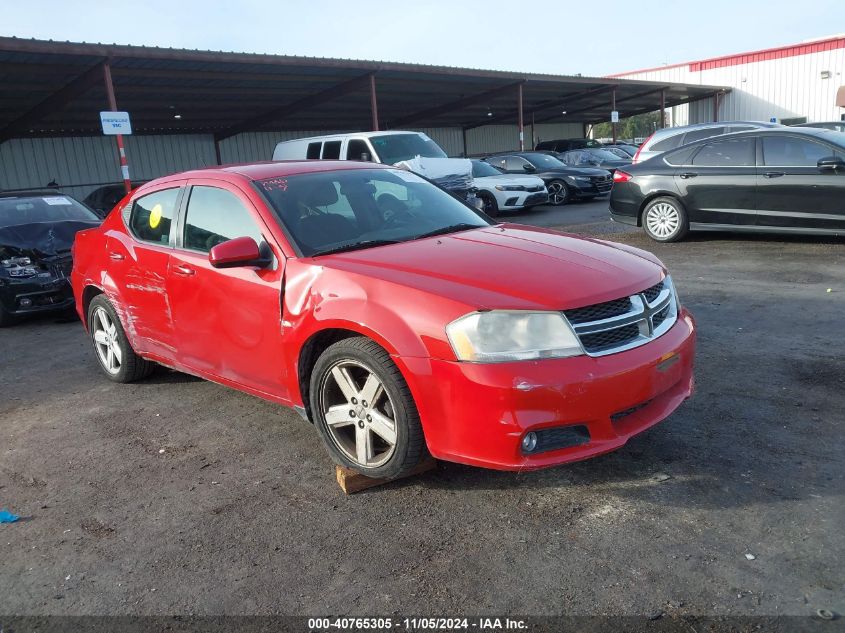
x,y
831,163
240,251
529,167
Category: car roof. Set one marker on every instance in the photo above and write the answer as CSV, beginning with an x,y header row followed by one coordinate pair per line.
x,y
832,136
33,193
272,169
348,134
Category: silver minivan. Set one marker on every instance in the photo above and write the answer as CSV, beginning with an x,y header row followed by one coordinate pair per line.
x,y
672,137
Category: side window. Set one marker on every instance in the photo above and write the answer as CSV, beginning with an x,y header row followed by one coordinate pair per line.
x,y
667,143
152,215
215,216
314,150
786,151
681,156
515,163
738,152
697,135
497,162
331,150
356,149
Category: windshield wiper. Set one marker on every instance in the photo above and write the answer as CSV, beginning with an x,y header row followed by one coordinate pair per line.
x,y
452,228
352,247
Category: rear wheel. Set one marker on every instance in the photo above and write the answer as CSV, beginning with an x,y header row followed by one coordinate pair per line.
x,y
665,220
559,193
489,204
116,357
364,410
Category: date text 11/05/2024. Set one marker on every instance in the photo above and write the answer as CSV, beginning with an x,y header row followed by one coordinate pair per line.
x,y
417,624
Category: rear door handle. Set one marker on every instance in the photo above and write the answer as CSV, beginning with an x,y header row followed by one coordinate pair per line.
x,y
185,271
116,257
688,174
774,174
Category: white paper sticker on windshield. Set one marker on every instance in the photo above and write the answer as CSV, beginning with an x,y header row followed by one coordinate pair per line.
x,y
407,176
57,201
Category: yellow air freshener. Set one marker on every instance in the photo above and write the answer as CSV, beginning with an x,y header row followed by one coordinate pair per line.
x,y
155,216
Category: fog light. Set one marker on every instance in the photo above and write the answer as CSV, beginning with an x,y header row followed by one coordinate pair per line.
x,y
25,303
529,442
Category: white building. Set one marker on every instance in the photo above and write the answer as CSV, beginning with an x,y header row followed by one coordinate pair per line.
x,y
790,84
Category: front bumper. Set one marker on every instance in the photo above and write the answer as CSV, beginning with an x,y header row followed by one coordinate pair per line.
x,y
591,190
510,200
477,414
35,294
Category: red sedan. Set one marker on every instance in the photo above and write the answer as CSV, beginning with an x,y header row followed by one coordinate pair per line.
x,y
394,317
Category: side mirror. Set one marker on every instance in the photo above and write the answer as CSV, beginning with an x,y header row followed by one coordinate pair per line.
x,y
830,163
529,167
240,251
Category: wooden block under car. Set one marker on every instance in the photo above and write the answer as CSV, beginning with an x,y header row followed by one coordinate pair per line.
x,y
351,482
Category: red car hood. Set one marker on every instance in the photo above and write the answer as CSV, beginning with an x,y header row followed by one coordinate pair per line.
x,y
509,266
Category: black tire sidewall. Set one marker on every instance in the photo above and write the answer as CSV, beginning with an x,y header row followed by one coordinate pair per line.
x,y
405,414
486,196
126,351
683,227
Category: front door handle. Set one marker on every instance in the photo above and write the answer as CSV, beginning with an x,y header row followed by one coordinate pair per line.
x,y
185,271
116,257
774,174
688,174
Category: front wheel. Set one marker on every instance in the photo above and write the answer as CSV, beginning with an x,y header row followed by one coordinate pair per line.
x,y
364,411
489,204
665,220
559,193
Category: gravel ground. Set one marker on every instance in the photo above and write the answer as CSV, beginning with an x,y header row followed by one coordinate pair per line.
x,y
178,496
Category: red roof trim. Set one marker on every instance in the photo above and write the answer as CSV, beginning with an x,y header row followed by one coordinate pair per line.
x,y
751,57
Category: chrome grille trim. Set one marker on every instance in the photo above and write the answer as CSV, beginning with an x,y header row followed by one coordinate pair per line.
x,y
652,318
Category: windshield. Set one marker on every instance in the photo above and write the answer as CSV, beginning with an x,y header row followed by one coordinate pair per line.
x,y
394,148
480,169
543,160
360,208
49,208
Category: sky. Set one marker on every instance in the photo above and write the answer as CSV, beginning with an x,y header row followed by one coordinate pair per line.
x,y
562,37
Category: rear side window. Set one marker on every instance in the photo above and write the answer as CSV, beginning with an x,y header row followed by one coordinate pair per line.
x,y
790,151
331,150
152,215
357,149
682,156
697,135
737,152
314,150
666,144
215,216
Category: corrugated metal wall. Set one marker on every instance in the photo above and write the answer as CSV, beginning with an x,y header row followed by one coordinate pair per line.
x,y
80,164
784,88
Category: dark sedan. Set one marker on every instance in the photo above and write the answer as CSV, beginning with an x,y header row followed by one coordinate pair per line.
x,y
593,157
770,180
37,229
564,183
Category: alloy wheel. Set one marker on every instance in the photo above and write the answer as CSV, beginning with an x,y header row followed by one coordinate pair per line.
x,y
558,193
663,220
106,341
359,414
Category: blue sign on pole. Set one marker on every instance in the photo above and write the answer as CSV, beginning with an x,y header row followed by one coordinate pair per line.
x,y
115,123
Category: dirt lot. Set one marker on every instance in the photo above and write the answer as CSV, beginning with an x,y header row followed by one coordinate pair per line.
x,y
178,496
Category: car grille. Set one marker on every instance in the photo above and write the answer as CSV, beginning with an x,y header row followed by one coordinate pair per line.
x,y
602,183
536,198
625,323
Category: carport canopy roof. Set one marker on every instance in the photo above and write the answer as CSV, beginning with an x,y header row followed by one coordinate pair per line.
x,y
58,89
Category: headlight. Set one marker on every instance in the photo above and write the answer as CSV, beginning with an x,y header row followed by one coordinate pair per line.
x,y
510,188
508,335
19,267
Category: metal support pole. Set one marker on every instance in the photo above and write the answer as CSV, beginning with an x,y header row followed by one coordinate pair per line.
x,y
464,136
521,122
217,150
662,109
374,102
124,166
716,99
613,109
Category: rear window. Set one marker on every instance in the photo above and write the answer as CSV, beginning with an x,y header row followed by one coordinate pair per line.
x,y
34,209
152,215
667,143
680,157
697,135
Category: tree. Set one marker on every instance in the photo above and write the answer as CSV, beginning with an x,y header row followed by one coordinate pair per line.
x,y
640,125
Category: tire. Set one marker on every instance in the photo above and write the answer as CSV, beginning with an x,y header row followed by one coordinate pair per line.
x,y
491,207
559,193
664,219
114,355
379,438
